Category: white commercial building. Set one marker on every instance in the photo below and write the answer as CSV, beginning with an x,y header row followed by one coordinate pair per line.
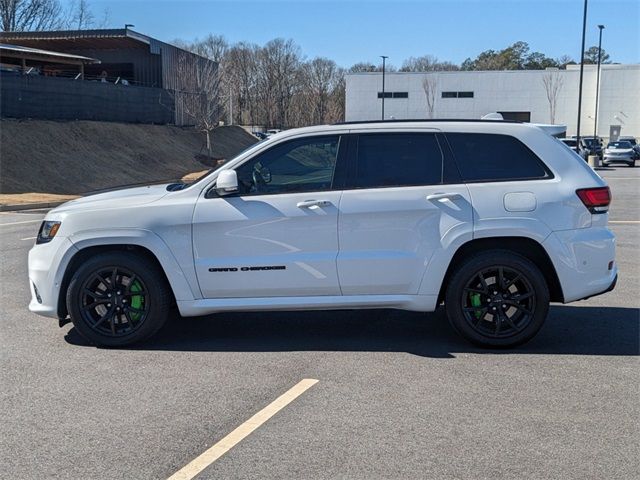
x,y
518,94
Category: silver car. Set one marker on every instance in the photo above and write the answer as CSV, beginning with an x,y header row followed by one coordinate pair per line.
x,y
621,151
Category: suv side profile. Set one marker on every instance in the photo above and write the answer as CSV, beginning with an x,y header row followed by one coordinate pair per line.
x,y
494,219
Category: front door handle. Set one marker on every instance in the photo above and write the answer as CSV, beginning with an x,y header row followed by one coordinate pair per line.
x,y
443,196
313,203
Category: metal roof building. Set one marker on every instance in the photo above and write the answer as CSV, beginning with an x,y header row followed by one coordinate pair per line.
x,y
159,77
124,53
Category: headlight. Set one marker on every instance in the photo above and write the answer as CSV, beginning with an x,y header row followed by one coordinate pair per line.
x,y
47,231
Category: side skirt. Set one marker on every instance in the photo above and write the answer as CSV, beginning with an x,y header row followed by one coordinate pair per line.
x,y
415,303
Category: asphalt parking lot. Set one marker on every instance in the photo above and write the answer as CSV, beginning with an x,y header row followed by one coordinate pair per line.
x,y
399,395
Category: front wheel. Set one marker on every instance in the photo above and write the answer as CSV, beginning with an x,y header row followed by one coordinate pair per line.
x,y
118,298
497,299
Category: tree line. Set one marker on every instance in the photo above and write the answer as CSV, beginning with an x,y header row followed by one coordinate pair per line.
x,y
40,15
275,86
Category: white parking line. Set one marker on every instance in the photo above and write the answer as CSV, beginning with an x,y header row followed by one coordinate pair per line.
x,y
201,462
624,221
29,238
19,223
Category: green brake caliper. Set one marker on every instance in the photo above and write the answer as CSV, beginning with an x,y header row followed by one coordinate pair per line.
x,y
137,301
475,302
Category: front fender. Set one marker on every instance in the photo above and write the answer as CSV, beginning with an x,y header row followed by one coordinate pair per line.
x,y
183,287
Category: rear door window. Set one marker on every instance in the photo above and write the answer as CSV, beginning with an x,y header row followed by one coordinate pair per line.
x,y
397,159
484,157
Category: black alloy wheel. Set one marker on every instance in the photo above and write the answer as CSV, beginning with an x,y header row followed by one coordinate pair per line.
x,y
114,301
118,298
497,299
499,302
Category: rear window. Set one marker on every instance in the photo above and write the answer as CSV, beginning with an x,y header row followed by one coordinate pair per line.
x,y
484,157
398,159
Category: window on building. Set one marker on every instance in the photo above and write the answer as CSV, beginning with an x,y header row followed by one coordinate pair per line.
x,y
398,159
457,94
394,94
483,157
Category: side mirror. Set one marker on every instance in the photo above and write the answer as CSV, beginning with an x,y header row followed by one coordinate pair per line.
x,y
227,182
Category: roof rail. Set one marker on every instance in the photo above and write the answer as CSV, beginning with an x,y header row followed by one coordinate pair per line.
x,y
427,121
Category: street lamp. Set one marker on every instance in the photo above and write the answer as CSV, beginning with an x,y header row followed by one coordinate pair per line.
x,y
384,58
584,32
595,121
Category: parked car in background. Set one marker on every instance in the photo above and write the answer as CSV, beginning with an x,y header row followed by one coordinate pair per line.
x,y
592,146
260,135
632,141
620,152
572,143
273,131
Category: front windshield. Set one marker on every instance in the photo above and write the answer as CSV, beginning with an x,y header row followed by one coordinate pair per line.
x,y
619,145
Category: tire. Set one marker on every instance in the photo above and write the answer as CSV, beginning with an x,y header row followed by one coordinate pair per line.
x,y
130,311
509,318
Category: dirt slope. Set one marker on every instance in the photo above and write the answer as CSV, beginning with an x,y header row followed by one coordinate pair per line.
x,y
82,156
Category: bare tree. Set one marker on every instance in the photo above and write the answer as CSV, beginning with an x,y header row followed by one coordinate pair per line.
x,y
552,82
242,65
198,94
278,67
30,15
80,16
430,85
320,78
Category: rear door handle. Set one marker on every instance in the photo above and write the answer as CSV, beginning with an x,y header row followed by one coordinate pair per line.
x,y
443,196
313,203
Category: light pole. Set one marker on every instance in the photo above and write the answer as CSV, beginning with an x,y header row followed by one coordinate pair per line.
x,y
384,58
595,121
584,32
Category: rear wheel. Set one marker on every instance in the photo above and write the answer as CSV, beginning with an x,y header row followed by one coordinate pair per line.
x,y
497,299
118,298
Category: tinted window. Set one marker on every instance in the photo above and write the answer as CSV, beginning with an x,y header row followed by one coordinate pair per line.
x,y
298,166
397,159
486,157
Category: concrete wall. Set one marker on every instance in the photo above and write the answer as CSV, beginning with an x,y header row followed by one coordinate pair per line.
x,y
517,90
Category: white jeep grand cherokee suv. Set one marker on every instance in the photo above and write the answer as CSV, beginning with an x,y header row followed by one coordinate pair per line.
x,y
495,219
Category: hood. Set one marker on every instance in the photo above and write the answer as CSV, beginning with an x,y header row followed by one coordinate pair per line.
x,y
116,198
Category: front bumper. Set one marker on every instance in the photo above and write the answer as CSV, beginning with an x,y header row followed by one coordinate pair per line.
x,y
47,264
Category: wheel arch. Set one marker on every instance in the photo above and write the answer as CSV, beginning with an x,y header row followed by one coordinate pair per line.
x,y
178,284
525,246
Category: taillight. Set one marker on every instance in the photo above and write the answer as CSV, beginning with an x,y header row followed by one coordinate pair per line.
x,y
597,200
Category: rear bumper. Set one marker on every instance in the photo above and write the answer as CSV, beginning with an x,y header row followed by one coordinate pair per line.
x,y
608,289
582,260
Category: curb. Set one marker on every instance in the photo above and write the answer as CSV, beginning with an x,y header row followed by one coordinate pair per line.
x,y
29,206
